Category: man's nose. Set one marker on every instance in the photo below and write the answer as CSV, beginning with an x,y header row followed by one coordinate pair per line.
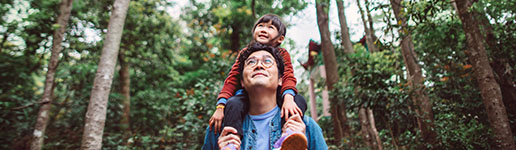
x,y
259,66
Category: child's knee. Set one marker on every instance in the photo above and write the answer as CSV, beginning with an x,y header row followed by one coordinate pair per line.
x,y
236,101
299,99
300,102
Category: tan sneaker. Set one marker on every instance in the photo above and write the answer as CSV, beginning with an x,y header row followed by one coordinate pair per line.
x,y
291,140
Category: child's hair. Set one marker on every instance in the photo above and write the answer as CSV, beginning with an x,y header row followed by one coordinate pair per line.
x,y
275,20
253,47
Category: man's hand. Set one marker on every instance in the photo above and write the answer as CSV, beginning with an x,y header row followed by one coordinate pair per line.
x,y
216,120
229,135
289,107
295,123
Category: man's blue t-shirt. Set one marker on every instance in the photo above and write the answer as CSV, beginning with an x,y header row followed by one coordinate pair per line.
x,y
262,123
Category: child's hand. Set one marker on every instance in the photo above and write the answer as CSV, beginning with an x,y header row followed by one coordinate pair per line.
x,y
289,107
216,120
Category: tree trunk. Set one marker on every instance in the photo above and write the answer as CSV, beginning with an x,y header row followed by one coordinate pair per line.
x,y
415,77
313,104
369,35
330,63
253,8
370,20
489,88
235,37
368,129
500,66
325,95
125,84
42,119
374,131
96,114
504,79
346,41
364,125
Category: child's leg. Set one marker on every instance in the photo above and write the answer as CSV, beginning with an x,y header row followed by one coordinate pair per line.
x,y
234,112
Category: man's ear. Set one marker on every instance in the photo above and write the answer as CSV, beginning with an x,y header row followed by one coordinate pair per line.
x,y
280,82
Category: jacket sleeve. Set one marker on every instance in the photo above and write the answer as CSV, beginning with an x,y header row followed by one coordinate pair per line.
x,y
314,135
288,79
210,140
232,82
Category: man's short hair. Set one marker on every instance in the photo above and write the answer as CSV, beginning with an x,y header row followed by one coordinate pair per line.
x,y
254,47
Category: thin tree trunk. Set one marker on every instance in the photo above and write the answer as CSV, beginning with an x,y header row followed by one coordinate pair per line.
x,y
253,8
374,131
415,77
365,130
346,41
325,95
391,133
370,20
235,37
369,35
489,88
96,114
501,67
313,104
125,84
42,119
330,63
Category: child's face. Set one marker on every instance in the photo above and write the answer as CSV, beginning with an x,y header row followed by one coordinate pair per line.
x,y
267,33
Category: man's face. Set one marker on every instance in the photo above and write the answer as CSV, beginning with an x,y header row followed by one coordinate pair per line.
x,y
267,33
260,70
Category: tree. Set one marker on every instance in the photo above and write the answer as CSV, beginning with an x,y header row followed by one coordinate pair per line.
x,y
125,86
338,109
489,88
46,100
344,30
368,30
96,113
415,77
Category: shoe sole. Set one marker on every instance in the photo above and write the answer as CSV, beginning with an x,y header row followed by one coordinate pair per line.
x,y
296,141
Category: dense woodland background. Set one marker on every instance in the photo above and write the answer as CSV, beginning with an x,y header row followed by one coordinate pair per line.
x,y
431,74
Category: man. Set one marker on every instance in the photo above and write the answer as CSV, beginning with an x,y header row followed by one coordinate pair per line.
x,y
260,77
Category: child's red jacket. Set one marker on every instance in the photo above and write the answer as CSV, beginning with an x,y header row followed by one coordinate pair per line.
x,y
232,82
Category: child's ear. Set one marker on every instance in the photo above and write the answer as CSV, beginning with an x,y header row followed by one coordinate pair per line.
x,y
280,40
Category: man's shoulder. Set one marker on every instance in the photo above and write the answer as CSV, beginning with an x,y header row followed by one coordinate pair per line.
x,y
309,120
314,134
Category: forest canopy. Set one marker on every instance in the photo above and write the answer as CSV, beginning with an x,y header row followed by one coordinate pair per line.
x,y
397,74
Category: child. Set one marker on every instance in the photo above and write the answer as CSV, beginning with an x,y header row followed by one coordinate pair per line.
x,y
269,30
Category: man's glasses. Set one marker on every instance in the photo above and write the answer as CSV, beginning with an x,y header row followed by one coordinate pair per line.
x,y
267,61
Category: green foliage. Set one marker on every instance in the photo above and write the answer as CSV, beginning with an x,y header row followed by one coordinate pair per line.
x,y
177,71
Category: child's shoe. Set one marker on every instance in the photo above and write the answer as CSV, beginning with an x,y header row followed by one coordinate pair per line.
x,y
230,146
291,140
